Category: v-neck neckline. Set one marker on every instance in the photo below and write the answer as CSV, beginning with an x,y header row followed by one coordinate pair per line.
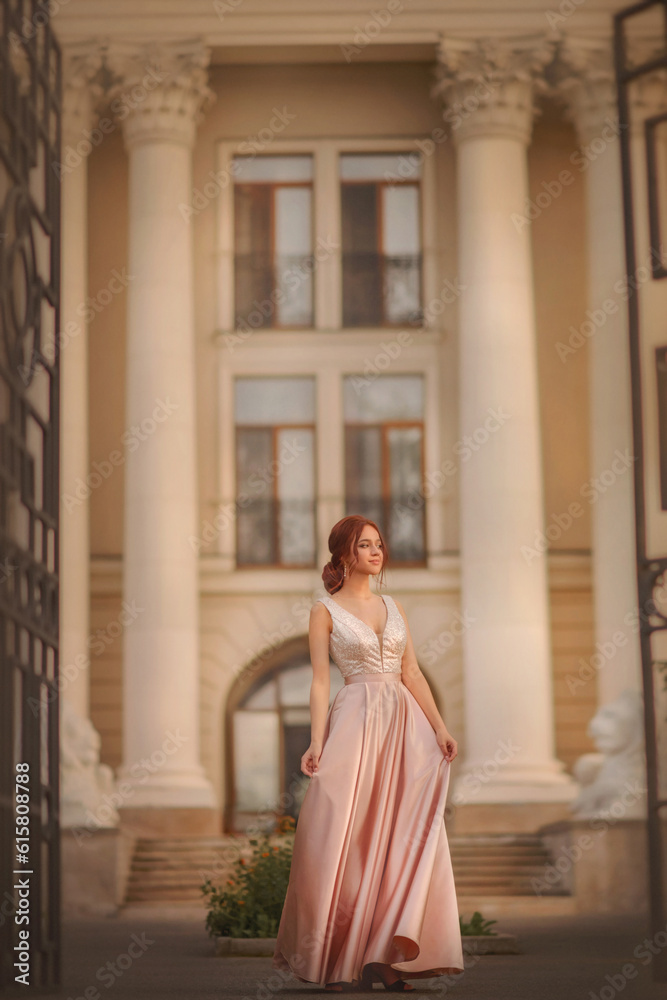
x,y
379,636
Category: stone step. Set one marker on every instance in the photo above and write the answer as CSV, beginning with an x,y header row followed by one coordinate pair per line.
x,y
480,884
165,897
207,864
493,866
498,856
187,843
500,859
494,907
503,840
501,890
193,872
149,900
177,909
171,878
162,855
524,882
479,857
488,869
493,853
193,893
205,852
491,859
196,875
470,841
153,856
494,849
182,859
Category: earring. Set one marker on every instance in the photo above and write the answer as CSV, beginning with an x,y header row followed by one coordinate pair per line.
x,y
344,569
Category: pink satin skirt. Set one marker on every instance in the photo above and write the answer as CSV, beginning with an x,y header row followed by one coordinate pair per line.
x,y
371,877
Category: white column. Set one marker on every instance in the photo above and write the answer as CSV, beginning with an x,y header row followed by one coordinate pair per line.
x,y
591,95
161,91
488,88
78,113
83,781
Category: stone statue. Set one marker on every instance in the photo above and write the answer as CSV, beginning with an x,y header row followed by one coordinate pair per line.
x,y
613,781
86,786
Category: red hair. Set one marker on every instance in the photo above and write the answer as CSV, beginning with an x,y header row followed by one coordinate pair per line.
x,y
342,543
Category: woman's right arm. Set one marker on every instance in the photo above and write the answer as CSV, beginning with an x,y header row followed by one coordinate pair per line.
x,y
318,640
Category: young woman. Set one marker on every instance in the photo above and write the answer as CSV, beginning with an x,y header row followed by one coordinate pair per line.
x,y
371,893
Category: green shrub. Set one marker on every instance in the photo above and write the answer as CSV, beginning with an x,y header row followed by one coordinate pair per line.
x,y
476,926
251,901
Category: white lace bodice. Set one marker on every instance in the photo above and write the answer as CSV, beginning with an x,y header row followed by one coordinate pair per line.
x,y
356,649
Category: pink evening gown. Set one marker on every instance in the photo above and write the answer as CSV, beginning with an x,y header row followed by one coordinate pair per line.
x,y
371,877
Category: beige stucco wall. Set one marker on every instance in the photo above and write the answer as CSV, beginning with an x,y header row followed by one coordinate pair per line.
x,y
107,250
370,100
560,270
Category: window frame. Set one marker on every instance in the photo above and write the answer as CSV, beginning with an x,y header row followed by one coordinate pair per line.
x,y
379,185
273,186
384,427
326,222
275,429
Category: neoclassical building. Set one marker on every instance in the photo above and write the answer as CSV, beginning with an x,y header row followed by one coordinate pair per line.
x,y
316,261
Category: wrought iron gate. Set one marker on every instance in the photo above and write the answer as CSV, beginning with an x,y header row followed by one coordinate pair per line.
x,y
632,27
30,82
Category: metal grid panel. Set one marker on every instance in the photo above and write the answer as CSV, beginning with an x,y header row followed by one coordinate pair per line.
x,y
30,89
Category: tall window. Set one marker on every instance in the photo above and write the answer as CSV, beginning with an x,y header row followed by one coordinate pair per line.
x,y
381,238
384,435
275,471
273,241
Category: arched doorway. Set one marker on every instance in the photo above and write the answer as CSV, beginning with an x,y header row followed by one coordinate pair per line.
x,y
267,730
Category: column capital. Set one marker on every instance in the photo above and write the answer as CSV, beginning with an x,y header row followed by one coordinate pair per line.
x,y
489,84
586,81
160,90
82,89
587,84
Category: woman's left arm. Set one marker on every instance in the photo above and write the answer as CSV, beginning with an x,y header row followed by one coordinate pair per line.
x,y
417,684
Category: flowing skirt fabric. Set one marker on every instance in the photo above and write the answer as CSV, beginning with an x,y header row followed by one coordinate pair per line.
x,y
371,877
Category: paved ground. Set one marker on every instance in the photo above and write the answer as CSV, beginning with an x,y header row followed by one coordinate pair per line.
x,y
564,958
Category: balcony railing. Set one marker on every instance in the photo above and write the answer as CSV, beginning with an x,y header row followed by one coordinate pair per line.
x,y
378,290
381,289
274,532
273,291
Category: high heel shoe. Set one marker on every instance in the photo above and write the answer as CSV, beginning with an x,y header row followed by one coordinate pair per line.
x,y
372,974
